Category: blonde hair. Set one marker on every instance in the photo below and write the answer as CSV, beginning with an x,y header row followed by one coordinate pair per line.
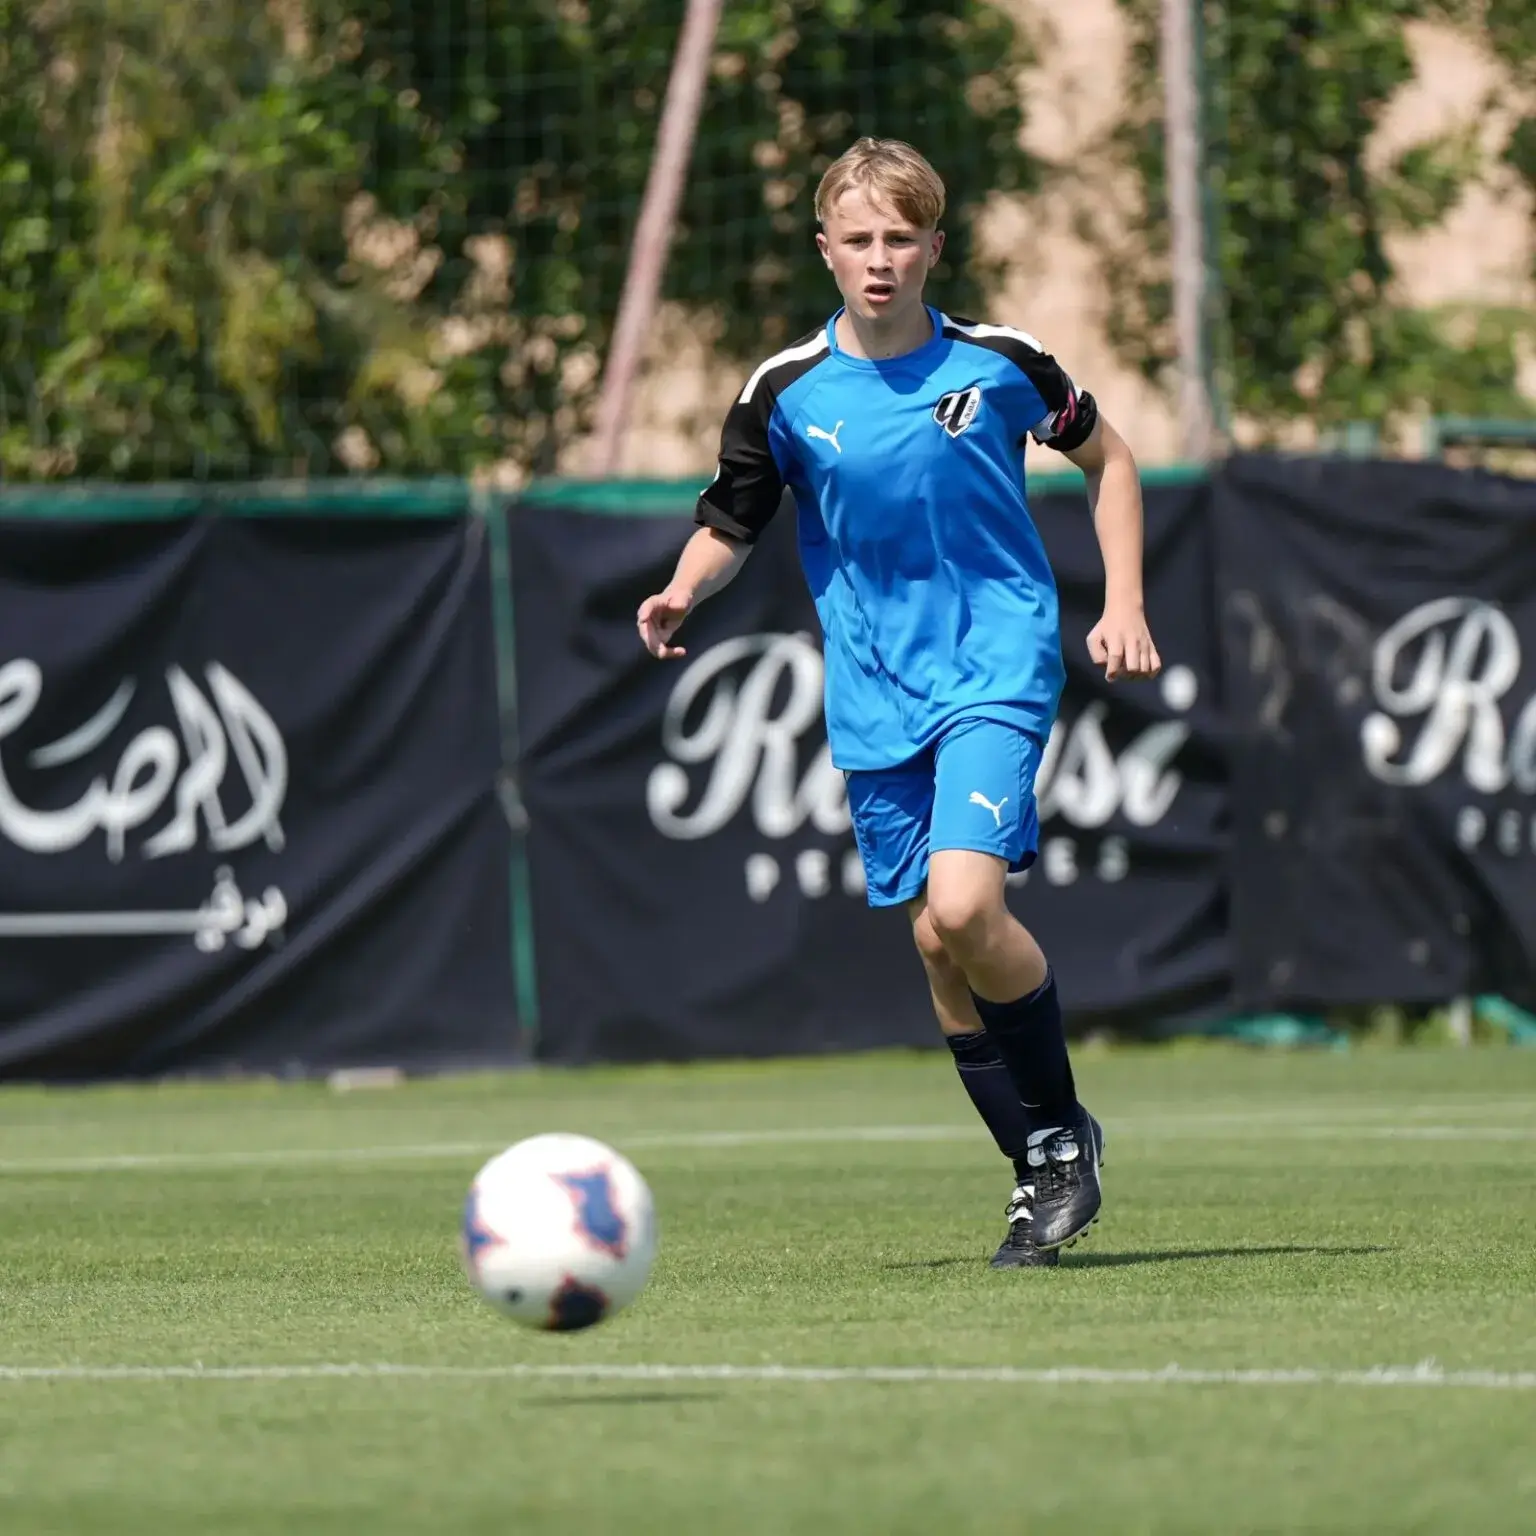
x,y
893,171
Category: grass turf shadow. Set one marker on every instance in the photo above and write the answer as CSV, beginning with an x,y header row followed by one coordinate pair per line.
x,y
1078,1258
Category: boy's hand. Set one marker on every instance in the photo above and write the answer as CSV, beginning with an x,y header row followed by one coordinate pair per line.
x,y
658,619
1122,644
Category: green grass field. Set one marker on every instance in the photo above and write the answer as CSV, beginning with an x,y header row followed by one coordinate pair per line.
x,y
1265,1214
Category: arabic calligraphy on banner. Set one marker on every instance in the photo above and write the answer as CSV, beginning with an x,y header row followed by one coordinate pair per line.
x,y
231,728
226,738
226,915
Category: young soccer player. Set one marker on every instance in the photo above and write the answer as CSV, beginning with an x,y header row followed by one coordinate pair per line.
x,y
901,433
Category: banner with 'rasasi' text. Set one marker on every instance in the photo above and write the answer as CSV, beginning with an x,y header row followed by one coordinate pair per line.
x,y
696,886
1380,635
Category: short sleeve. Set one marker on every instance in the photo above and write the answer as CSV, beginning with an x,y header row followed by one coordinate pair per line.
x,y
748,485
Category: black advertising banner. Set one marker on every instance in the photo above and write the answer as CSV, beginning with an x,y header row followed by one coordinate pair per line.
x,y
1379,622
248,808
695,882
1129,894
695,886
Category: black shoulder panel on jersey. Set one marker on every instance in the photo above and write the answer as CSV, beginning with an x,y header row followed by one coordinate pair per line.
x,y
783,368
1019,347
748,486
1072,414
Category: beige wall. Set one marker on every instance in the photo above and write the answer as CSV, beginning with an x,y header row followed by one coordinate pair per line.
x,y
1482,252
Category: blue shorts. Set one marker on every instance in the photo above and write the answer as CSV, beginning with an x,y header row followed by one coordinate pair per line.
x,y
974,788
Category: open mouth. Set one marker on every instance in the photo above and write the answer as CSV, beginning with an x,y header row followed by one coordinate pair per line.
x,y
879,293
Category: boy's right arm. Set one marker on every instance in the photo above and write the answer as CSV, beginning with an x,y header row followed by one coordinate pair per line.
x,y
733,509
709,560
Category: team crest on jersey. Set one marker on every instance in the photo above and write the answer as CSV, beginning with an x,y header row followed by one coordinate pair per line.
x,y
957,410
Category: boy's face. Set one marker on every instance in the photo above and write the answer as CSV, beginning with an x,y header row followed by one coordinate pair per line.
x,y
879,259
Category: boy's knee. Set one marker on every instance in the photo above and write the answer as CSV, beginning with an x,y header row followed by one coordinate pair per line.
x,y
929,944
961,917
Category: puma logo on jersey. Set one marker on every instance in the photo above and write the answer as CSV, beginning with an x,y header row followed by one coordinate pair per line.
x,y
957,410
827,437
977,798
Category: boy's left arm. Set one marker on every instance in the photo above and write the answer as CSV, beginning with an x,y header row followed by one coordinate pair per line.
x,y
1120,642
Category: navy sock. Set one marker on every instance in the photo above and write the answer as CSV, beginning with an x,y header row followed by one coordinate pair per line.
x,y
1032,1042
986,1079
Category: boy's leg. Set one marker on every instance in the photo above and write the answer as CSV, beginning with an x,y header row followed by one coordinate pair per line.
x,y
891,813
986,1080
981,1069
984,824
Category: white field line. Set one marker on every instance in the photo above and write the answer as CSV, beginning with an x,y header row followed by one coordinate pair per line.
x,y
783,1136
1425,1374
428,1151
1319,1118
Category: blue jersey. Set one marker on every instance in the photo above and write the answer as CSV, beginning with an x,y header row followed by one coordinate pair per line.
x,y
933,589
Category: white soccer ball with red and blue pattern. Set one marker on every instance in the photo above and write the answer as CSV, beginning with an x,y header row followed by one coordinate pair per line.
x,y
559,1232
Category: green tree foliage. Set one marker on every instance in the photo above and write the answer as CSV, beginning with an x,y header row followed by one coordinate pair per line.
x,y
1308,319
552,108
1511,33
176,182
246,239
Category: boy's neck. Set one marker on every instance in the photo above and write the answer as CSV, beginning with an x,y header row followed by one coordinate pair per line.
x,y
879,340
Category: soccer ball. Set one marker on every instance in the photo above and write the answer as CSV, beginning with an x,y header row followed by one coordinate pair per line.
x,y
559,1232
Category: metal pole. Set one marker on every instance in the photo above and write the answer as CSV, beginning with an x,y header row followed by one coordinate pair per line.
x,y
653,233
1181,143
